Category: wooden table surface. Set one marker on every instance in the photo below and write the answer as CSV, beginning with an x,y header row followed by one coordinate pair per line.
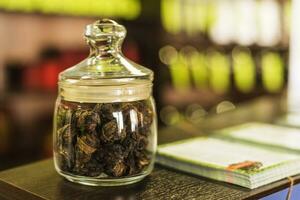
x,y
40,181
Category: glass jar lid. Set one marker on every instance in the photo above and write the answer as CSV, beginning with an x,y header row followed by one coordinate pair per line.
x,y
105,75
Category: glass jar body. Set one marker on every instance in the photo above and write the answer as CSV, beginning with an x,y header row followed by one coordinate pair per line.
x,y
104,143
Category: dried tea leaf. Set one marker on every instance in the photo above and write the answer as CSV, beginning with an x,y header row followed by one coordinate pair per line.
x,y
107,111
119,169
65,159
140,105
142,142
129,145
116,151
121,134
99,155
97,108
80,169
148,116
66,134
143,161
87,120
114,166
145,117
82,157
88,144
130,161
94,168
63,116
127,107
110,131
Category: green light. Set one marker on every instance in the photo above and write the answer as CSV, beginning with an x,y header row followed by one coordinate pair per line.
x,y
180,73
4,3
131,9
272,72
171,16
201,16
128,9
244,70
189,17
219,67
199,69
211,14
19,5
82,7
50,7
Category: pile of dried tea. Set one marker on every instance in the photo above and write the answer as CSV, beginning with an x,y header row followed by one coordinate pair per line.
x,y
108,139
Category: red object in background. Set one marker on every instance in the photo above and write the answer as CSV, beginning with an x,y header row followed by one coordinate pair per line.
x,y
131,51
44,74
53,66
71,58
49,74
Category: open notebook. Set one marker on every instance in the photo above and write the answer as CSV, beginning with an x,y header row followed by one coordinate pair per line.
x,y
249,155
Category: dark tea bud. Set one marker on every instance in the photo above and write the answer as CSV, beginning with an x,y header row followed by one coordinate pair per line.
x,y
118,169
107,111
87,120
87,144
109,131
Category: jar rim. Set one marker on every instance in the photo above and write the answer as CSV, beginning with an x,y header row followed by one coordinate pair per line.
x,y
106,93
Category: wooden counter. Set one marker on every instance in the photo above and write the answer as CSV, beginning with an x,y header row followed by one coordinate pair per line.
x,y
40,181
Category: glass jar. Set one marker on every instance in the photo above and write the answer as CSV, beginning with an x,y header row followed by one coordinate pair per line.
x,y
105,130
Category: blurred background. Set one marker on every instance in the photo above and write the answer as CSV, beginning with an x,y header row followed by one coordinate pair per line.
x,y
209,57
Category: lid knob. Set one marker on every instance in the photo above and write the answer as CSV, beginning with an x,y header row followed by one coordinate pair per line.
x,y
105,38
104,28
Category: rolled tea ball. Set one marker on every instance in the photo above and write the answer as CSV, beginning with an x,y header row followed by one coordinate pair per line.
x,y
87,120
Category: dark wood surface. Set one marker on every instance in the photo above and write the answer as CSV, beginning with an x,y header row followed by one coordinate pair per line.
x,y
40,181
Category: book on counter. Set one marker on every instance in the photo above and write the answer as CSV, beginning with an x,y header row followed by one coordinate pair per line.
x,y
250,155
